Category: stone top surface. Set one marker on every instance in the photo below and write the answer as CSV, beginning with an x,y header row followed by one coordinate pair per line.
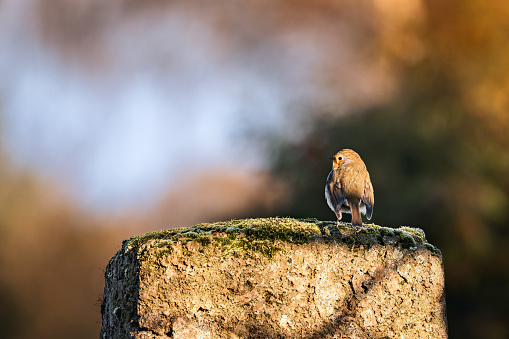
x,y
265,235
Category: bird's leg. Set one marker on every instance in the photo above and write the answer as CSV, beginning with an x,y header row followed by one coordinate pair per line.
x,y
338,223
339,215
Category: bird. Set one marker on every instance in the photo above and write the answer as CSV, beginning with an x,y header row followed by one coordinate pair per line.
x,y
348,188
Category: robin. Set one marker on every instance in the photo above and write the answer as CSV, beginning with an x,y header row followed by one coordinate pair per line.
x,y
348,188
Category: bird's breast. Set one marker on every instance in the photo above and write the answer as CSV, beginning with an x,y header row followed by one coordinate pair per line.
x,y
352,183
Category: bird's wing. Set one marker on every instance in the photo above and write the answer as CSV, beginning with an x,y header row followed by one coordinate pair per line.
x,y
333,192
368,198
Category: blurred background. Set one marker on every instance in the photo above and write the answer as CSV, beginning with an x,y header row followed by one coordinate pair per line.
x,y
125,116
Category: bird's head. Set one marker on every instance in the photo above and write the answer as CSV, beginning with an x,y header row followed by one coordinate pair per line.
x,y
344,156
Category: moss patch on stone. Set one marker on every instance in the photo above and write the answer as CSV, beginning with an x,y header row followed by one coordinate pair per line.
x,y
268,235
262,235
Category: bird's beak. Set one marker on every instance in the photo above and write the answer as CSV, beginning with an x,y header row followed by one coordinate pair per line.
x,y
331,157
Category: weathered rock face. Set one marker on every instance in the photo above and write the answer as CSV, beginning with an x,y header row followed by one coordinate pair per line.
x,y
275,278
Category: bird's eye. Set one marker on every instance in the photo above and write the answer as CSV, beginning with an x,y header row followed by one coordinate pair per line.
x,y
340,158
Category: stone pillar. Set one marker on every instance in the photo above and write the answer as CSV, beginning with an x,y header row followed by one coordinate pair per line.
x,y
275,278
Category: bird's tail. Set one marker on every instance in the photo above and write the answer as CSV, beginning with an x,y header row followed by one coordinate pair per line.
x,y
356,214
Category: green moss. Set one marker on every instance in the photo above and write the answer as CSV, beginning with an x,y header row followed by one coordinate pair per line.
x,y
413,231
161,252
407,241
350,241
434,251
417,235
140,239
268,235
386,232
264,235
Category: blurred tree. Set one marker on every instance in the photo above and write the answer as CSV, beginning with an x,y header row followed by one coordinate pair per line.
x,y
438,154
52,259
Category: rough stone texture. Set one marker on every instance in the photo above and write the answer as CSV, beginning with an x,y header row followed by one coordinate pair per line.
x,y
306,280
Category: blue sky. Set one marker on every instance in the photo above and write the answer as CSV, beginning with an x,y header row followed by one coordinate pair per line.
x,y
120,137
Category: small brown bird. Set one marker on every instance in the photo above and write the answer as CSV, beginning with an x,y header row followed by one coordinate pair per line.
x,y
348,188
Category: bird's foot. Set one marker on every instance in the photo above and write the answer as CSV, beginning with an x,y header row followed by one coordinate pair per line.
x,y
361,228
